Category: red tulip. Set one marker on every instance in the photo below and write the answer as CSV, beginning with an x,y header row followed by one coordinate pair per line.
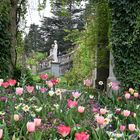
x,y
71,103
5,84
12,82
63,130
44,76
81,136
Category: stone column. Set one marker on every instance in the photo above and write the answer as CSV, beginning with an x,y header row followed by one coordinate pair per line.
x,y
55,69
111,77
94,72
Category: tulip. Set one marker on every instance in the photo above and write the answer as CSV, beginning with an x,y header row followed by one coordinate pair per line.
x,y
119,98
131,127
122,128
58,92
126,113
5,84
1,81
76,94
19,91
81,109
49,84
1,133
71,103
127,96
12,82
136,94
51,93
131,90
82,136
115,86
118,111
43,76
31,127
88,82
100,120
63,130
43,90
16,117
55,81
30,89
95,110
103,111
37,121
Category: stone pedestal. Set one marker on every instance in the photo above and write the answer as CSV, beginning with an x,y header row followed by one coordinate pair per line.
x,y
55,69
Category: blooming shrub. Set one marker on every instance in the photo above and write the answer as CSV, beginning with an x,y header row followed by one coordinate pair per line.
x,y
40,113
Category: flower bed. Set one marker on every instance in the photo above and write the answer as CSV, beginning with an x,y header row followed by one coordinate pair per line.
x,y
39,113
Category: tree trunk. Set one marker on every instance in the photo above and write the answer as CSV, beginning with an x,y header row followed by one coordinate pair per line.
x,y
13,31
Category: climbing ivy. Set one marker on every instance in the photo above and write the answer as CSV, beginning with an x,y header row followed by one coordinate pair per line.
x,y
125,41
4,39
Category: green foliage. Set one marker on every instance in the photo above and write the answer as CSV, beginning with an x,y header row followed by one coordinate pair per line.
x,y
84,56
4,39
125,41
35,58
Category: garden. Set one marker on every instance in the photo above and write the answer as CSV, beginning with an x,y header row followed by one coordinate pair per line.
x,y
40,112
69,70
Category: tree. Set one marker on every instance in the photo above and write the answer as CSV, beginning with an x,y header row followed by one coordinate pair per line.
x,y
66,19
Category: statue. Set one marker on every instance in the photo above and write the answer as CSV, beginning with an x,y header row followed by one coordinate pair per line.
x,y
55,49
51,50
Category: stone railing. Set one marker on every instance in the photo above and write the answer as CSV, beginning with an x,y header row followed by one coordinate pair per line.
x,y
65,62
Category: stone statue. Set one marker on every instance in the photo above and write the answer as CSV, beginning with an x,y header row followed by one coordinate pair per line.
x,y
51,50
55,49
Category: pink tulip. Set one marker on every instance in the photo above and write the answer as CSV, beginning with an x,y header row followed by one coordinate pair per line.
x,y
31,127
127,96
88,82
63,130
81,109
82,136
103,111
95,110
5,84
37,121
30,89
100,120
19,91
136,94
122,128
12,82
43,90
76,94
43,76
115,86
126,113
131,127
49,84
1,133
71,103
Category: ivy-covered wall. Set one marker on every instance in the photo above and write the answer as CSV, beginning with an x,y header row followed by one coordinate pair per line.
x,y
4,40
125,41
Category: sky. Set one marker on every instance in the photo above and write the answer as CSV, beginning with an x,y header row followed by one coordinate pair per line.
x,y
33,16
